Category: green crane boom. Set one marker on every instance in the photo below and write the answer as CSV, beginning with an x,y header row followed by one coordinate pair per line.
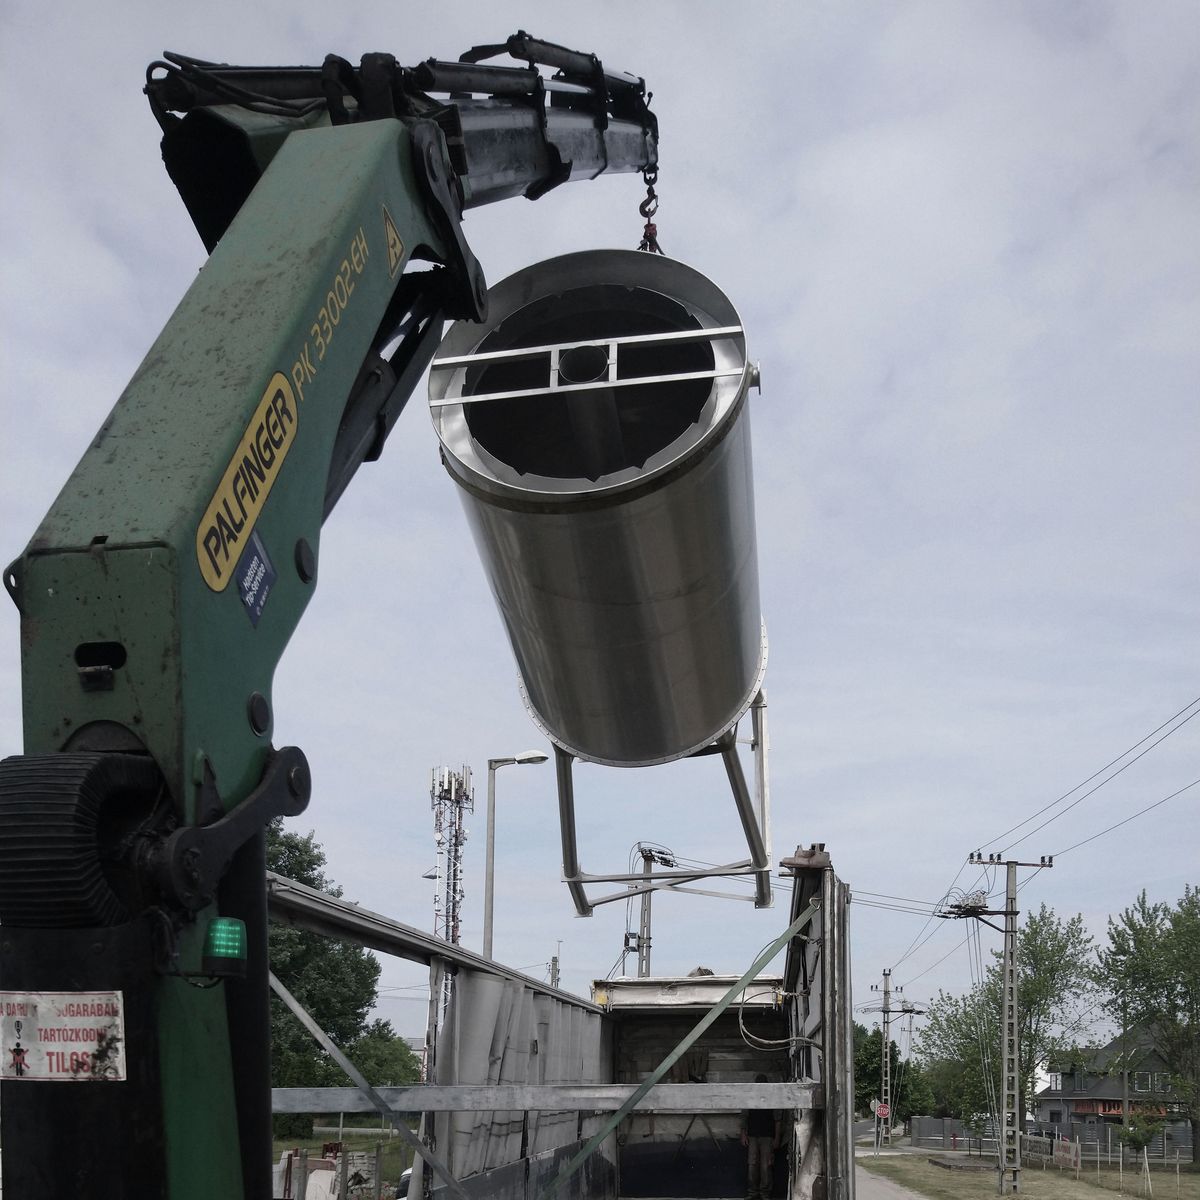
x,y
160,590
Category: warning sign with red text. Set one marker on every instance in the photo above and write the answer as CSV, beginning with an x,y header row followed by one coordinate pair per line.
x,y
65,1036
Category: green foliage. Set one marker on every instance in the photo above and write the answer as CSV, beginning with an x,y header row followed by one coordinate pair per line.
x,y
1150,970
948,1047
1055,992
950,1088
868,1059
298,858
1141,1131
915,1095
910,1089
336,982
384,1058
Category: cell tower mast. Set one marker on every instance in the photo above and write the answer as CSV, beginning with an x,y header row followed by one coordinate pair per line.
x,y
451,797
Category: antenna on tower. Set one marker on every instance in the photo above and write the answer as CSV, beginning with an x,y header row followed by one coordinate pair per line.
x,y
451,797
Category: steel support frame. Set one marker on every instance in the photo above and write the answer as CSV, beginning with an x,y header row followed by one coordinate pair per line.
x,y
557,385
817,977
394,1116
298,905
303,907
754,813
552,1097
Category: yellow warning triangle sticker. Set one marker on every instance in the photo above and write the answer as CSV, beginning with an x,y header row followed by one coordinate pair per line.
x,y
395,245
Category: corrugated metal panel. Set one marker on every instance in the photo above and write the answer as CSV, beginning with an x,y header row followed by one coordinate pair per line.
x,y
503,1031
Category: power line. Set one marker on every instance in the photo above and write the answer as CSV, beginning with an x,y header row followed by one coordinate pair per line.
x,y
1046,808
902,908
1101,772
913,946
919,941
1140,813
975,956
939,962
906,899
1080,799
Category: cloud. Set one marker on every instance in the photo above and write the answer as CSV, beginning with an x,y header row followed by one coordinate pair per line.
x,y
962,240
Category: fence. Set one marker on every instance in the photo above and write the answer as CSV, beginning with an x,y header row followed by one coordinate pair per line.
x,y
948,1133
1055,1151
1172,1139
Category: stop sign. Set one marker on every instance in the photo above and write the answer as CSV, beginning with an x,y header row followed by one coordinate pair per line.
x,y
883,1109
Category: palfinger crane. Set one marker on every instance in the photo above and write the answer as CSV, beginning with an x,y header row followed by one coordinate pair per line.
x,y
160,590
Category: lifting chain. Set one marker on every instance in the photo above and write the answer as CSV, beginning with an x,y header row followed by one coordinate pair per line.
x,y
648,208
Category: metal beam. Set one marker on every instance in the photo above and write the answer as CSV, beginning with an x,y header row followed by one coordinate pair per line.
x,y
753,812
452,362
526,393
760,743
742,867
566,822
376,1102
745,806
561,1097
817,975
613,897
292,903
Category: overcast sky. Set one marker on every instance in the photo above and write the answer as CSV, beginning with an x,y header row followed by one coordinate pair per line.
x,y
963,240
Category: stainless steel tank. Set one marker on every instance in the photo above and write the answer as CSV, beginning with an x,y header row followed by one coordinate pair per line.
x,y
598,429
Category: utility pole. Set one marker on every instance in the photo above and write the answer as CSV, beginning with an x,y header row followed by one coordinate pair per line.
x,y
1008,1141
1010,1034
639,943
643,942
883,1113
885,1083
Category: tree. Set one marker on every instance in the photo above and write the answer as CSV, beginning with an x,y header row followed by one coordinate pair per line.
x,y
951,1049
335,982
1150,969
1141,1131
385,1059
910,1090
948,1085
868,1059
1055,991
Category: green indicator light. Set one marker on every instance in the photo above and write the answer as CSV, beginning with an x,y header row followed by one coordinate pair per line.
x,y
225,947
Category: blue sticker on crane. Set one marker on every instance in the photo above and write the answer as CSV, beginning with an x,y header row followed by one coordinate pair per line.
x,y
255,576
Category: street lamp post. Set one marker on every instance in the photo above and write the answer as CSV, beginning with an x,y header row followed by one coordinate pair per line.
x,y
489,877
